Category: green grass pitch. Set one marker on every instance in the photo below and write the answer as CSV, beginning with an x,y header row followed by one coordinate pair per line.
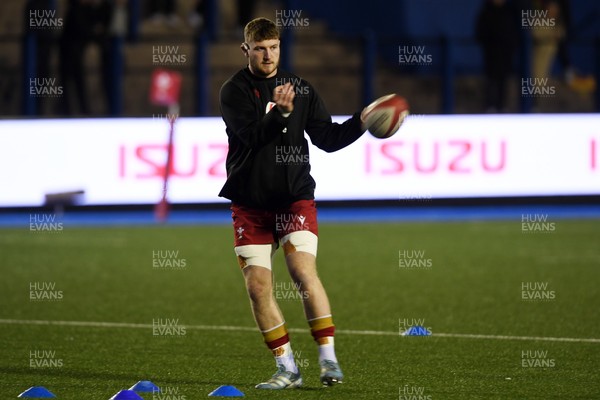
x,y
165,294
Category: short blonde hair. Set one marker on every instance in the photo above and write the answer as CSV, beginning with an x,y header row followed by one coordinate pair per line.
x,y
260,29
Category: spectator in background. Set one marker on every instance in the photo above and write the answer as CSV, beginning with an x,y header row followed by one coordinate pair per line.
x,y
88,22
497,33
113,18
577,82
77,32
563,52
45,41
546,39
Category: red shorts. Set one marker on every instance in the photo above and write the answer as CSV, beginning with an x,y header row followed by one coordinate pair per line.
x,y
253,226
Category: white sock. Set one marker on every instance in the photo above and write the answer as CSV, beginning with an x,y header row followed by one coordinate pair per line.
x,y
284,356
327,349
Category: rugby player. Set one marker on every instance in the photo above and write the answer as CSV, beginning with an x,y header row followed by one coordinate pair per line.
x,y
266,111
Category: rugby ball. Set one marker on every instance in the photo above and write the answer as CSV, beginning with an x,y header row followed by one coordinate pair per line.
x,y
384,116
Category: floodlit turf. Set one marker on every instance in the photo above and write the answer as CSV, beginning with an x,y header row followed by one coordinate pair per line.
x,y
470,282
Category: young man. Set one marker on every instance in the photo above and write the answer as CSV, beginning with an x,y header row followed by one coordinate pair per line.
x,y
272,192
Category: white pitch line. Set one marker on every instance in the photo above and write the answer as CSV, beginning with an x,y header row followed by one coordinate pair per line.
x,y
507,337
294,330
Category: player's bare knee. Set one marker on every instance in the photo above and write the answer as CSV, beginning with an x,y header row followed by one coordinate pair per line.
x,y
303,274
258,282
259,290
309,283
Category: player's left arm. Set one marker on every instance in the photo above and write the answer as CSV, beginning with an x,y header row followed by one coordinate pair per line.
x,y
327,135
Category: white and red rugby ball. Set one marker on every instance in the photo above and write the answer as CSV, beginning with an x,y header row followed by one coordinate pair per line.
x,y
384,116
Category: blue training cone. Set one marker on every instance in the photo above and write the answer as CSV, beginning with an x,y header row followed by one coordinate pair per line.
x,y
417,331
226,391
126,395
37,392
145,386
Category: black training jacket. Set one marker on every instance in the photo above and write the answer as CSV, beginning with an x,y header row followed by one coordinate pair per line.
x,y
267,160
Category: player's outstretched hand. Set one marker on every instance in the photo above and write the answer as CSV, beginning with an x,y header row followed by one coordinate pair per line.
x,y
283,96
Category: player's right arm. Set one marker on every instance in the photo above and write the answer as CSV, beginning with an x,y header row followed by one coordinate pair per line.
x,y
242,115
